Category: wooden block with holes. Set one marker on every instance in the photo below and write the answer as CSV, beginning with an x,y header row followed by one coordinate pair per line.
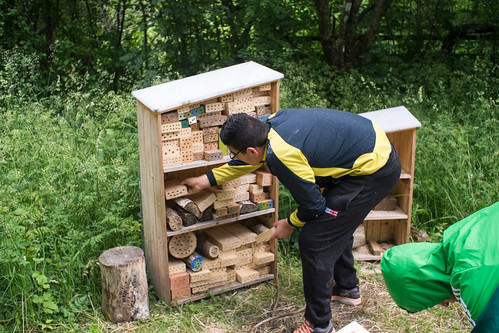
x,y
213,107
217,277
169,117
230,109
257,197
186,142
185,132
255,188
222,203
171,127
241,196
223,239
210,146
210,137
265,204
246,275
263,178
231,274
173,190
198,147
176,266
217,217
245,179
184,115
265,87
262,257
263,270
213,155
187,156
243,93
221,211
228,259
245,235
170,136
227,98
262,100
179,280
222,194
198,156
202,275
212,121
263,110
197,136
200,289
180,294
203,199
233,208
211,264
172,160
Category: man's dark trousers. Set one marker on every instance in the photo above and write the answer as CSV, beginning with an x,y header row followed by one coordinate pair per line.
x,y
326,242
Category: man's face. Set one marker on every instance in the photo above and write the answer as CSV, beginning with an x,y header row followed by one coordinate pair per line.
x,y
249,155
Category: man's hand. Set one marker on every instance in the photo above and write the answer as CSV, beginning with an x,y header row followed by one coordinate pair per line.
x,y
282,229
196,184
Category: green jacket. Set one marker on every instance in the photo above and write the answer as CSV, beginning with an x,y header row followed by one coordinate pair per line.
x,y
465,265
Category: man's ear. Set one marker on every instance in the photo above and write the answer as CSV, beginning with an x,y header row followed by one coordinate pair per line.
x,y
252,150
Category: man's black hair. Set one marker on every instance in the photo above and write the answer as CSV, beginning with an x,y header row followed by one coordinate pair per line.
x,y
242,131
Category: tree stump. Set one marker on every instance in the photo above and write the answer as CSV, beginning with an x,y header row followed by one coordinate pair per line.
x,y
124,284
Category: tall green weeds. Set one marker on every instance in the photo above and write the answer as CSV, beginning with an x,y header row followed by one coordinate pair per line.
x,y
68,191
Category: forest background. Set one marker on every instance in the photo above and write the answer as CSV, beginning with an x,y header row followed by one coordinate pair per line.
x,y
69,185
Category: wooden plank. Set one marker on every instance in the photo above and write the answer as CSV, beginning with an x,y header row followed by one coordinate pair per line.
x,y
375,248
153,202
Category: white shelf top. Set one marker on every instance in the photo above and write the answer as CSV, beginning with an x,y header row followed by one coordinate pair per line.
x,y
393,119
193,89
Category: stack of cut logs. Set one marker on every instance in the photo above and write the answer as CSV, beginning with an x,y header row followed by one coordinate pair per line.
x,y
219,256
246,194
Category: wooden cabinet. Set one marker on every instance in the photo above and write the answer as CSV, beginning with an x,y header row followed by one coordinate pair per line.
x,y
392,223
166,111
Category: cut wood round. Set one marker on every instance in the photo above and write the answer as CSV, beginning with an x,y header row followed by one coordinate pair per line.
x,y
207,248
188,219
189,206
124,284
173,220
194,262
183,245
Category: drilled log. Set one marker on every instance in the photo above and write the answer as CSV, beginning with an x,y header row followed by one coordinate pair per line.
x,y
124,284
173,220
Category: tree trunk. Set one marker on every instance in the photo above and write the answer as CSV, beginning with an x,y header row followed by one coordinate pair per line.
x,y
124,284
341,42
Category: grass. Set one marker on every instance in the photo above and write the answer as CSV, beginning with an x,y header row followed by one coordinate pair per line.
x,y
242,310
69,190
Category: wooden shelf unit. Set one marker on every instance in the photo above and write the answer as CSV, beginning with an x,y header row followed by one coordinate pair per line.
x,y
395,225
154,101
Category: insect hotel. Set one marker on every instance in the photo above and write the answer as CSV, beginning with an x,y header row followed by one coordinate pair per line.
x,y
218,239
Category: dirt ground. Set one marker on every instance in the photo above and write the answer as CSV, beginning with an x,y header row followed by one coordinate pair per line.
x,y
376,313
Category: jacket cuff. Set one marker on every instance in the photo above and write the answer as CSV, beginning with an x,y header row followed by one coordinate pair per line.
x,y
211,178
294,221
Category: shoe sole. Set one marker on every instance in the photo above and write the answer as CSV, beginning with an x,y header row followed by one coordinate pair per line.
x,y
346,300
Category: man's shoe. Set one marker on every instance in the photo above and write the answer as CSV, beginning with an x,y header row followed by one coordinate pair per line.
x,y
346,296
308,327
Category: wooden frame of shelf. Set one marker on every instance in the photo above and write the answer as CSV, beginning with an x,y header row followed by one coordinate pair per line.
x,y
394,226
152,102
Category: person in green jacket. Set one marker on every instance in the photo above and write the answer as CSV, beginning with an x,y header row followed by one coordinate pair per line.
x,y
464,266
